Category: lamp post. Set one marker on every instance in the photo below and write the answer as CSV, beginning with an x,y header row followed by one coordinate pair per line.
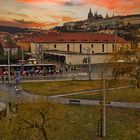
x,y
22,60
104,105
9,75
102,123
22,54
89,63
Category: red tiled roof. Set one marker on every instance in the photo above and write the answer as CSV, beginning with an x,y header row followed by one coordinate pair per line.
x,y
74,37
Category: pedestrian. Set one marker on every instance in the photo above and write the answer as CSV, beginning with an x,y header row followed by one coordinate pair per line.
x,y
6,78
2,78
17,80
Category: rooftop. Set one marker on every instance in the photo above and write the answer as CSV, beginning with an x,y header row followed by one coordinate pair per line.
x,y
56,37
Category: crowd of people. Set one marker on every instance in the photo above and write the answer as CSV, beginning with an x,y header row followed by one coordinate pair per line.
x,y
34,72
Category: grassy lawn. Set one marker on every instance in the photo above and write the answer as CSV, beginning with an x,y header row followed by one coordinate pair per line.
x,y
123,95
59,87
121,123
63,87
73,123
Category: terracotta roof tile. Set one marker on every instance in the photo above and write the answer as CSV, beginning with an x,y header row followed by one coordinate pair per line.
x,y
73,37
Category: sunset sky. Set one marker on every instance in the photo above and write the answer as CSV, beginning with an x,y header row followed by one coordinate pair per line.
x,y
49,13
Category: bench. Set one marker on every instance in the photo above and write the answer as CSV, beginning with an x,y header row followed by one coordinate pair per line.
x,y
74,101
107,102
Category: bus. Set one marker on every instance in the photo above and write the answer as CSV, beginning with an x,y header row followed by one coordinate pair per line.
x,y
28,69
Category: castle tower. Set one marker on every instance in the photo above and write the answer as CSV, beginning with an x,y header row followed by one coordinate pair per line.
x,y
90,15
107,15
113,15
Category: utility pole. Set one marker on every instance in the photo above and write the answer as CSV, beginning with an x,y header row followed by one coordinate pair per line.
x,y
104,105
22,60
89,65
115,49
9,75
22,54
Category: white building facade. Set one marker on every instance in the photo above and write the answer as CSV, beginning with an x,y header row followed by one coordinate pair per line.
x,y
76,46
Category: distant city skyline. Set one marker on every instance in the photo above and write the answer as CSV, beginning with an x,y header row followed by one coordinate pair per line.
x,y
48,13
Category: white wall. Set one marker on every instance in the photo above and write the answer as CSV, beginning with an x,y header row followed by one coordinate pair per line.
x,y
78,59
74,47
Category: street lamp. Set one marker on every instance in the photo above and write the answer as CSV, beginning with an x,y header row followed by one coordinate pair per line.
x,y
104,104
9,75
102,123
89,63
22,57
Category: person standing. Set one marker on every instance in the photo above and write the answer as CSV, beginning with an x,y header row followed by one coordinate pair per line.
x,y
2,78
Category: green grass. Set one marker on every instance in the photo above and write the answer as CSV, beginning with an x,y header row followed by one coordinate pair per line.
x,y
81,123
59,87
123,95
63,87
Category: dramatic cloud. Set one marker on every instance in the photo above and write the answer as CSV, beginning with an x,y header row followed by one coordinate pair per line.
x,y
120,6
43,1
18,14
28,24
49,13
63,18
63,2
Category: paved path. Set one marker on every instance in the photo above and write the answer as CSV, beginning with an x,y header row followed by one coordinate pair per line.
x,y
93,102
27,97
89,91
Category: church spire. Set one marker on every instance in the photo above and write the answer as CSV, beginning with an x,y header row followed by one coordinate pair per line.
x,y
90,15
90,10
107,15
113,15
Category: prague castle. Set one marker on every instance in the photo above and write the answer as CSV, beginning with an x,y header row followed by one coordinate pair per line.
x,y
96,22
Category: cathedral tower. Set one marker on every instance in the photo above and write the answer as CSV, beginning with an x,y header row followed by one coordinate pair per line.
x,y
90,15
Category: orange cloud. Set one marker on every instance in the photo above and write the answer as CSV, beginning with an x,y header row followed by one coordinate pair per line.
x,y
40,25
28,24
42,1
120,6
63,18
66,18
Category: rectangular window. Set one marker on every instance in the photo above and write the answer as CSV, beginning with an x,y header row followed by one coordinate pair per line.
x,y
68,47
80,48
54,45
103,48
113,48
